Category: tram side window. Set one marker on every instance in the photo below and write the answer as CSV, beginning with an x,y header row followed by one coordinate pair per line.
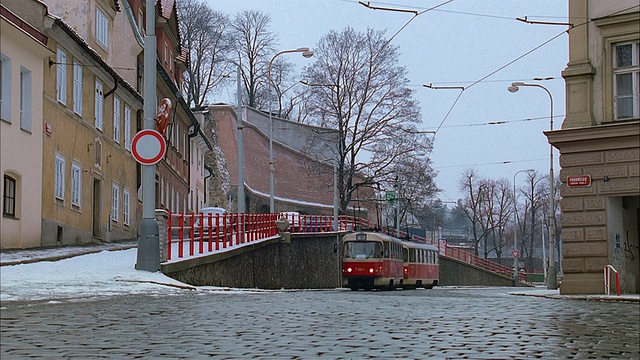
x,y
405,254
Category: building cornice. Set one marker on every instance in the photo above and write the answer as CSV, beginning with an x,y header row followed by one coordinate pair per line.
x,y
608,136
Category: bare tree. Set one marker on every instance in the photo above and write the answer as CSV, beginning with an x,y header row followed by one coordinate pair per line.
x,y
253,44
497,215
364,95
472,203
205,33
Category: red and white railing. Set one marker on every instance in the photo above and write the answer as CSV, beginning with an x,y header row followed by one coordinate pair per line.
x,y
607,279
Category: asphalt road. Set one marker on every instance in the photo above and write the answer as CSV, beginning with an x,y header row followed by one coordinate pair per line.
x,y
453,323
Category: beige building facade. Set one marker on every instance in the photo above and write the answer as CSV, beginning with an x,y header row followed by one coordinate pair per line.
x,y
23,54
599,145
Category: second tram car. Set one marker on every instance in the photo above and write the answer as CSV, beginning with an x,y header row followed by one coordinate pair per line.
x,y
378,261
421,265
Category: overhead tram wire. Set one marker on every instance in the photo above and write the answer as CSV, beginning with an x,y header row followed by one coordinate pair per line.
x,y
517,59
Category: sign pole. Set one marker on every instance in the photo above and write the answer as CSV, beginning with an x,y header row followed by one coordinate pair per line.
x,y
148,241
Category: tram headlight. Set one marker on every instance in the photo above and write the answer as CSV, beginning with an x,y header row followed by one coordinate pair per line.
x,y
349,269
371,270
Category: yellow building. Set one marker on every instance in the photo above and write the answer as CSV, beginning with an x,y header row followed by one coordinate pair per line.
x,y
599,146
91,114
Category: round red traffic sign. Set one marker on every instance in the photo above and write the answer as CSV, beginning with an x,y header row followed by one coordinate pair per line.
x,y
148,147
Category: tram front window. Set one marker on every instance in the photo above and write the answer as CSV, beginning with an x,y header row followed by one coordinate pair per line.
x,y
362,250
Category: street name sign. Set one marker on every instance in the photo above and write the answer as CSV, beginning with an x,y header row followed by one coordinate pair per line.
x,y
579,181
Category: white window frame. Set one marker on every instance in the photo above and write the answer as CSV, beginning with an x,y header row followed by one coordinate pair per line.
x,y
127,127
126,207
634,71
102,28
76,185
5,88
117,107
25,99
77,88
99,104
59,179
115,201
141,22
61,76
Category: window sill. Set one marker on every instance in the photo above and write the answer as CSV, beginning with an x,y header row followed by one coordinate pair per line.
x,y
9,216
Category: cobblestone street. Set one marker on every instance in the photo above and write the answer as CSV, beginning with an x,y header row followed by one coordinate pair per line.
x,y
449,323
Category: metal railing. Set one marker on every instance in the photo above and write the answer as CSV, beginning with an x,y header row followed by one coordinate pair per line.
x,y
473,259
201,234
194,234
607,279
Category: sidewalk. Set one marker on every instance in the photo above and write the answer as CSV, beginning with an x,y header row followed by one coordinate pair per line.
x,y
55,253
555,294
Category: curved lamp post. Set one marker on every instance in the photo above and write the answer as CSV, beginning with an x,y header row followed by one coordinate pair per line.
x,y
516,273
552,282
306,53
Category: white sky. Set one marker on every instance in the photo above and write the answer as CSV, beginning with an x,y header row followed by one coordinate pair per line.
x,y
454,45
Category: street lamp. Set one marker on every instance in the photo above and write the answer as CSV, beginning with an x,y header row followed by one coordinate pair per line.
x,y
306,53
552,282
516,273
335,158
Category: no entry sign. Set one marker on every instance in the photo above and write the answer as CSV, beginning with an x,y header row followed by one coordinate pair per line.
x,y
148,147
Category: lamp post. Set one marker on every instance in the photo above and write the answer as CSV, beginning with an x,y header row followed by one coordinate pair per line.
x,y
240,127
336,158
552,282
306,53
516,274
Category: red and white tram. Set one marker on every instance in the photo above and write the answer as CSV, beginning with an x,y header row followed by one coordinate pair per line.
x,y
378,261
421,265
371,261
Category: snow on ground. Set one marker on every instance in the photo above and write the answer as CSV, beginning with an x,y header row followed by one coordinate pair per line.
x,y
98,274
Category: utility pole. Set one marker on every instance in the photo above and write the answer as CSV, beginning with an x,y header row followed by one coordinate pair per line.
x,y
148,258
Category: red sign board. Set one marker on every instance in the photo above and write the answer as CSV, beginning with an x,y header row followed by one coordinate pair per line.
x,y
148,147
515,253
579,181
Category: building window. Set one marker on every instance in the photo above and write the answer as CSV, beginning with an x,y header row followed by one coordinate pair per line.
x,y
116,119
102,29
5,88
141,22
115,201
77,88
25,99
166,49
58,183
99,104
126,200
76,185
61,76
127,127
9,197
626,87
171,61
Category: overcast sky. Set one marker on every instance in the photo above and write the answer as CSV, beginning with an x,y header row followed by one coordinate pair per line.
x,y
457,44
